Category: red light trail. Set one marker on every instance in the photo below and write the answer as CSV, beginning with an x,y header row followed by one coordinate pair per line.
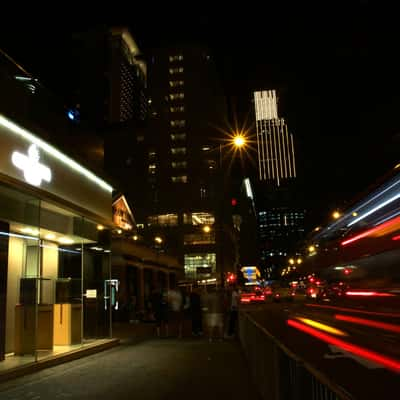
x,y
370,355
368,322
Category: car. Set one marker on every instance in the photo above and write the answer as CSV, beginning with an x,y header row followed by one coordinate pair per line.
x,y
252,294
283,291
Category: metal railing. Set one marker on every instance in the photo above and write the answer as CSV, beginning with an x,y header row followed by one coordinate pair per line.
x,y
277,372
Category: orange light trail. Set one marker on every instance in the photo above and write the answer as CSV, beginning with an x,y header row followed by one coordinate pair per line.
x,y
370,355
322,327
367,322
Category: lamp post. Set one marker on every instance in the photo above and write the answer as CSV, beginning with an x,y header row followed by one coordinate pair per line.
x,y
237,142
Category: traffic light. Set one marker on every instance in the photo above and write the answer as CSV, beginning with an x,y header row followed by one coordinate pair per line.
x,y
233,202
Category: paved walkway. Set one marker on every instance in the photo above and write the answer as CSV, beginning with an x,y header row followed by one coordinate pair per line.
x,y
144,368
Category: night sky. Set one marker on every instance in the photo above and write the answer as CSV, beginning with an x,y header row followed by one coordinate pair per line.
x,y
336,70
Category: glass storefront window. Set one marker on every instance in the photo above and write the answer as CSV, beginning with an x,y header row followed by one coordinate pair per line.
x,y
56,290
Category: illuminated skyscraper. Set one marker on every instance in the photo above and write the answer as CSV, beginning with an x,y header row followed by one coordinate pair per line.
x,y
276,159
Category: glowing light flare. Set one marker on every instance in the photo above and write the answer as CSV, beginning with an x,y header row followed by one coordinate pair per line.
x,y
206,229
368,322
322,327
367,354
239,140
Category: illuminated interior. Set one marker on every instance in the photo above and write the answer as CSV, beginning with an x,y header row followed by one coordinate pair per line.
x,y
53,258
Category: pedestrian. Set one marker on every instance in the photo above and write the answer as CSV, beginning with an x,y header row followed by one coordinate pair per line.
x,y
196,312
233,311
159,304
175,299
214,316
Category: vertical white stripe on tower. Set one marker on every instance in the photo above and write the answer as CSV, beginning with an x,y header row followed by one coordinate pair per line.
x,y
278,121
294,164
284,151
289,152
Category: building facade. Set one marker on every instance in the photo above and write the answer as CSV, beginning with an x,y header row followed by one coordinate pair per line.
x,y
55,220
280,213
275,146
182,157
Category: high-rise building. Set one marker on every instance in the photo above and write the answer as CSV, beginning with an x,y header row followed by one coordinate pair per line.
x,y
280,215
276,159
109,77
180,196
109,90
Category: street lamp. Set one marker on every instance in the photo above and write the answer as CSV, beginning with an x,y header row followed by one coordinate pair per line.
x,y
237,142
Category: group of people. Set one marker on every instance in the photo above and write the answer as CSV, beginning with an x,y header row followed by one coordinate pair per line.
x,y
210,309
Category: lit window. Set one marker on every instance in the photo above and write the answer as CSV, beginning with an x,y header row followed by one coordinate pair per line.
x,y
177,109
178,150
179,179
194,263
177,96
177,123
198,218
178,57
152,168
152,154
176,83
173,71
178,136
179,164
210,164
199,238
163,220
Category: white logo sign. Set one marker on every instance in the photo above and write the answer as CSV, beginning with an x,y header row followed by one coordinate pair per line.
x,y
34,171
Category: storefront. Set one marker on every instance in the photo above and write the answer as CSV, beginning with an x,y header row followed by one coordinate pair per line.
x,y
55,278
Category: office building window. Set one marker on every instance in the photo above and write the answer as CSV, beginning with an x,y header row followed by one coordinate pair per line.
x,y
176,83
193,239
163,220
177,57
198,218
210,164
179,179
177,109
178,123
178,136
177,96
174,71
178,150
179,164
152,168
200,264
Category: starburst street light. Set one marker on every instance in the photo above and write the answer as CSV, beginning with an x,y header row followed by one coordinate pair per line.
x,y
239,140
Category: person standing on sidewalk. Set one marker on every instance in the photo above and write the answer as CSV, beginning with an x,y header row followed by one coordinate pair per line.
x,y
214,317
196,312
159,304
233,313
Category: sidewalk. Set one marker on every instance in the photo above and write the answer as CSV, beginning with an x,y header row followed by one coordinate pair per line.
x,y
190,367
